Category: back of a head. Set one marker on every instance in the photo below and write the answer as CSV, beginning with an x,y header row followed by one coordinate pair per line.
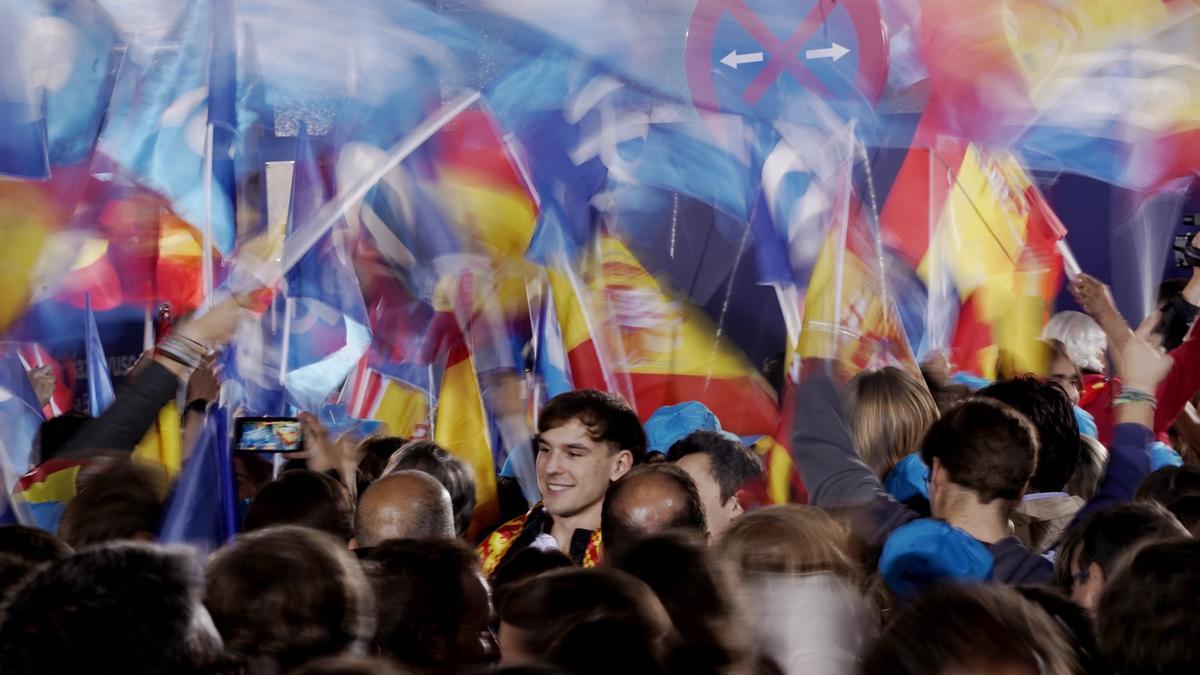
x,y
985,446
284,595
376,455
350,665
577,607
1146,621
1187,510
56,432
889,412
971,629
789,539
1046,405
421,600
1169,288
22,549
1083,337
117,500
695,588
1169,484
116,608
450,471
651,498
732,464
526,563
607,417
403,505
1114,532
1076,623
302,497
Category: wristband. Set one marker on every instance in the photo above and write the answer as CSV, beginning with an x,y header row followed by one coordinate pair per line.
x,y
1129,395
181,352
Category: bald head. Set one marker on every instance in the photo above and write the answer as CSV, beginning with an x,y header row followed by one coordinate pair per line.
x,y
651,498
404,505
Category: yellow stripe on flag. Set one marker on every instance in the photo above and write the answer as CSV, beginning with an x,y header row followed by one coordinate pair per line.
x,y
404,409
461,427
162,443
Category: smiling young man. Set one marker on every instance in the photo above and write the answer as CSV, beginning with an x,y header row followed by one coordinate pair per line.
x,y
586,440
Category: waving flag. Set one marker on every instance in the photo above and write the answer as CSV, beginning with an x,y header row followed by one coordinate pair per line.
x,y
158,128
202,509
20,414
100,389
23,151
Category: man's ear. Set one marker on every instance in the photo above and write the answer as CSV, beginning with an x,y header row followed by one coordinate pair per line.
x,y
353,543
938,474
622,465
739,498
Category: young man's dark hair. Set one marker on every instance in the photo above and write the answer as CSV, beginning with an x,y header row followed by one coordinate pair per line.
x,y
966,629
1046,405
376,453
607,417
114,608
587,621
349,665
525,564
1187,510
22,549
434,609
697,595
650,499
1169,484
285,595
1110,534
986,447
117,500
450,471
720,467
302,497
1076,623
1147,621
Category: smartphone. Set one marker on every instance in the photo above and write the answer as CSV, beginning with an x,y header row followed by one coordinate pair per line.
x,y
268,434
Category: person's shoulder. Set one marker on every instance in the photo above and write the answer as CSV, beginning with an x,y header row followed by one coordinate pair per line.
x,y
1016,563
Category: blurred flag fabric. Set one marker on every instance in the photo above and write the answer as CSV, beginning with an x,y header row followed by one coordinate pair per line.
x,y
20,413
368,394
47,488
157,129
163,442
202,508
327,323
100,388
23,143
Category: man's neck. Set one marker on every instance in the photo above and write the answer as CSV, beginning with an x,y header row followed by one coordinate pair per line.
x,y
986,522
563,528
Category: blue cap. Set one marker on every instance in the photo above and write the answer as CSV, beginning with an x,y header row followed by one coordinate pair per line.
x,y
671,423
908,479
1163,455
927,551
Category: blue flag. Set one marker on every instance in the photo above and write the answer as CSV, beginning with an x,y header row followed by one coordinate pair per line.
x,y
20,415
100,388
23,144
327,329
202,509
160,118
551,360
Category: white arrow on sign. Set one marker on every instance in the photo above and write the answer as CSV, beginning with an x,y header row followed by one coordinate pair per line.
x,y
835,52
733,59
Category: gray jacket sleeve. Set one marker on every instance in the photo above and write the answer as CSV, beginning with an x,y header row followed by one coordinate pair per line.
x,y
833,473
129,417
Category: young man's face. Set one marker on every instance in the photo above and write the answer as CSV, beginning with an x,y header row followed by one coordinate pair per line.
x,y
573,471
717,514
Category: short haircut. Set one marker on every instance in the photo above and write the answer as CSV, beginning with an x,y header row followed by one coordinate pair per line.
x,y
1075,622
1169,484
985,446
618,529
285,595
526,563
376,453
566,615
117,500
302,497
789,539
1187,510
1113,532
1046,405
970,628
114,608
23,549
608,418
403,505
1146,621
888,411
732,464
697,593
450,471
420,587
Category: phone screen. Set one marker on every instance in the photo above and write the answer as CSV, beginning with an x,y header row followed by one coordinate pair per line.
x,y
268,434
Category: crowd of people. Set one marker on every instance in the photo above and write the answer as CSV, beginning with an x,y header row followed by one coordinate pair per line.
x,y
1041,524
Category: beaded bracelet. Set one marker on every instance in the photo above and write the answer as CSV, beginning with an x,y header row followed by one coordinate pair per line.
x,y
1128,395
181,352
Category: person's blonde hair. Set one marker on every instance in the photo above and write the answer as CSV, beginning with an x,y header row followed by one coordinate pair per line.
x,y
789,539
889,411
